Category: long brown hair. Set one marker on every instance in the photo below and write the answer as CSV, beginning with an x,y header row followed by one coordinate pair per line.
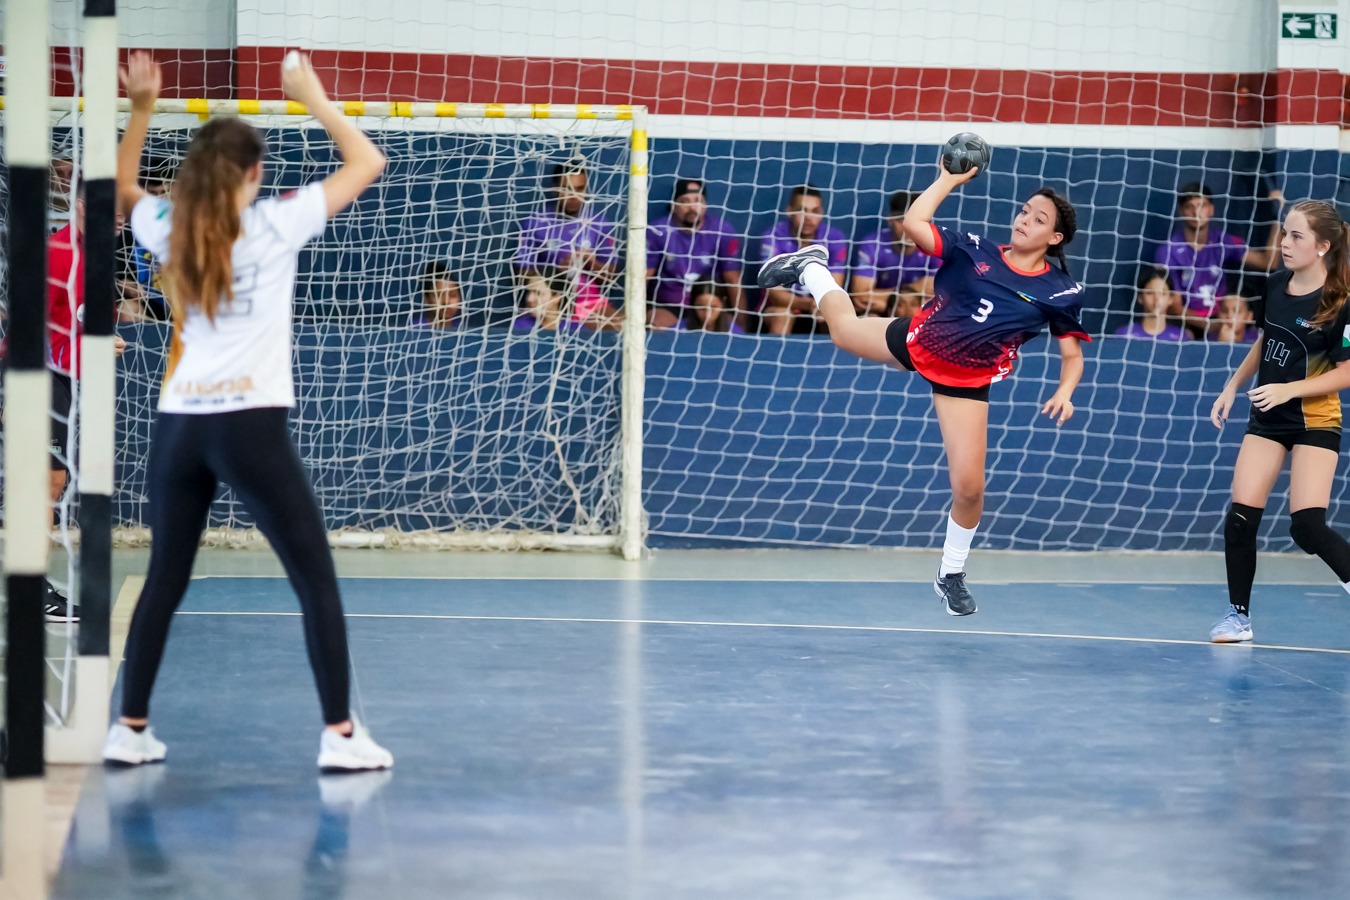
x,y
206,214
1327,225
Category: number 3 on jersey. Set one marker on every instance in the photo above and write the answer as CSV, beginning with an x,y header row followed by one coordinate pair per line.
x,y
983,312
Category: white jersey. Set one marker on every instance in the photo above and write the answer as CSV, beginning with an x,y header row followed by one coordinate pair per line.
x,y
243,360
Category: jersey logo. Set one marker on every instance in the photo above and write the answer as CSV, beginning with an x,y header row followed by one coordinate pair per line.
x,y
1304,322
1073,290
1026,297
974,239
981,267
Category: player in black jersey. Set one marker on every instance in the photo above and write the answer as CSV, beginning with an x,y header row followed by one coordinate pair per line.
x,y
988,300
1302,362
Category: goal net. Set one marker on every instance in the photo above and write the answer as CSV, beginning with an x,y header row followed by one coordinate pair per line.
x,y
454,387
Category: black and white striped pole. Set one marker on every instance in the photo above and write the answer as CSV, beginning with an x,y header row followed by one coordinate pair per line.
x,y
27,434
81,740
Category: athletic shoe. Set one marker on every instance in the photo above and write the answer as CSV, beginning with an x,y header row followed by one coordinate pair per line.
x,y
954,593
57,608
352,754
126,747
785,269
1232,628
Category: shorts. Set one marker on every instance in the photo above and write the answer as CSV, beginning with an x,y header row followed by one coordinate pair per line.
x,y
897,341
60,416
1328,440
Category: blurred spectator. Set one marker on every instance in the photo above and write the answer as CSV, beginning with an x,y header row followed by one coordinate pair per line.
x,y
1155,306
139,279
1234,322
569,237
803,224
693,265
440,296
891,276
542,303
1196,255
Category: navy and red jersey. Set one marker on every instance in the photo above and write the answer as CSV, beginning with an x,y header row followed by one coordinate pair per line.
x,y
65,301
983,310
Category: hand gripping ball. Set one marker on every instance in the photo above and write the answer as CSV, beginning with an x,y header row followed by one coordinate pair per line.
x,y
965,151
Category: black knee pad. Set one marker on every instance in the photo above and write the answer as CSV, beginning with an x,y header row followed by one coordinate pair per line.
x,y
1308,528
1241,525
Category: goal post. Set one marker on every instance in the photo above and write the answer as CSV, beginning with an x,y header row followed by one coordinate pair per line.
x,y
484,435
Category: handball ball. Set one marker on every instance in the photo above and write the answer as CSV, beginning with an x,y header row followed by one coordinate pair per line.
x,y
965,151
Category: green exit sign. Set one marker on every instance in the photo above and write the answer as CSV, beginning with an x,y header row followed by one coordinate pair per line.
x,y
1314,26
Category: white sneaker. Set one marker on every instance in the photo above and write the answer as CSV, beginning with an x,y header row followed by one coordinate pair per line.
x,y
352,754
126,747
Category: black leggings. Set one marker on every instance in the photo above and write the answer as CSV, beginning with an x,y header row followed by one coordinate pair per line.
x,y
250,450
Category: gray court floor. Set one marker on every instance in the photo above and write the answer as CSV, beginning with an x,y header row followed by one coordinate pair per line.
x,y
747,725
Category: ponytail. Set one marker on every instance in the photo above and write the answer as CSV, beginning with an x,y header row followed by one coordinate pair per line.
x,y
1066,223
206,215
1327,225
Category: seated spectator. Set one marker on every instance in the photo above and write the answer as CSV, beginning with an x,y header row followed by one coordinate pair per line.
x,y
1196,255
568,236
1155,305
891,276
787,309
139,282
542,303
693,265
440,296
1234,322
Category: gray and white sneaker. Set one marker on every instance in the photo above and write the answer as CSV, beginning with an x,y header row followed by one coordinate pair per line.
x,y
1233,628
785,269
357,753
126,747
954,593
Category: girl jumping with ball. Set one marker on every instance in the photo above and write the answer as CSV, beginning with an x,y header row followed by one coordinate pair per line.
x,y
230,266
988,301
1301,363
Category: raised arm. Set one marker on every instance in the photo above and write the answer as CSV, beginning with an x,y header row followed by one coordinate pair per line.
x,y
142,79
1265,258
362,161
919,216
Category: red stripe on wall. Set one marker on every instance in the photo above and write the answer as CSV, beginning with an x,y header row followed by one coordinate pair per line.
x,y
187,72
1286,97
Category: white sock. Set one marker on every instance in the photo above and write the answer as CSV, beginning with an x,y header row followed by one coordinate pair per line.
x,y
956,548
818,280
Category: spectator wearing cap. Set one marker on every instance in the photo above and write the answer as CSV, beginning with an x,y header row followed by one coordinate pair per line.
x,y
803,224
693,265
569,236
891,276
1197,255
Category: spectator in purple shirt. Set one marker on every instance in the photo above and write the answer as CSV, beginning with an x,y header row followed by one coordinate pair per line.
x,y
1197,254
570,237
803,224
693,265
542,306
891,276
1155,302
440,296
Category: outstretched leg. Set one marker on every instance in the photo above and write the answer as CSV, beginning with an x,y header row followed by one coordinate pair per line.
x,y
865,337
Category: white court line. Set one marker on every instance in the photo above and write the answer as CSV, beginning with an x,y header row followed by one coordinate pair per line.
x,y
877,628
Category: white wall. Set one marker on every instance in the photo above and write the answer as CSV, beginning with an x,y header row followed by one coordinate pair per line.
x,y
1112,35
196,24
